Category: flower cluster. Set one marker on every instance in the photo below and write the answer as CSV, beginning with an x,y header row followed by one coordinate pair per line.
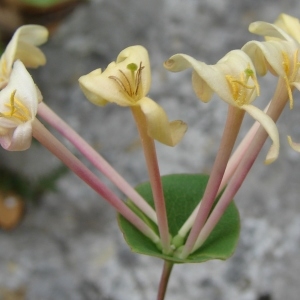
x,y
126,82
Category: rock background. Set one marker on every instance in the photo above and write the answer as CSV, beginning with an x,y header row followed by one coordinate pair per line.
x,y
69,247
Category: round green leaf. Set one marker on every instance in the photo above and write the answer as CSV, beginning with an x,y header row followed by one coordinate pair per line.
x,y
182,194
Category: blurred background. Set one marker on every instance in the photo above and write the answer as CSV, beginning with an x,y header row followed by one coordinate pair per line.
x,y
59,240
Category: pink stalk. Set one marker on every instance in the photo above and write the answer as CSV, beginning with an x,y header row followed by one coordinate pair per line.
x,y
275,109
229,171
231,130
96,159
154,177
59,150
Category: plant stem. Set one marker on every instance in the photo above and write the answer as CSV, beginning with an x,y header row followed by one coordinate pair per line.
x,y
164,280
96,159
231,130
154,177
229,171
61,152
275,109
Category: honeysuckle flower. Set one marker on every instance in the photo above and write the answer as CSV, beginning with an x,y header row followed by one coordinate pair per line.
x,y
284,28
18,107
281,58
23,47
233,79
126,82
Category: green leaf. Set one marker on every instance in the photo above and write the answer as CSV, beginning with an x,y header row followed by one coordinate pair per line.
x,y
43,3
182,194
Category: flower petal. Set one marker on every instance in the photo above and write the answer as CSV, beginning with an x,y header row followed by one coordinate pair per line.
x,y
22,46
18,139
158,125
212,78
269,30
295,146
270,127
290,25
21,82
137,54
88,85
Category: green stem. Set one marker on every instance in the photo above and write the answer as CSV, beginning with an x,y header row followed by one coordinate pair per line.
x,y
164,280
154,177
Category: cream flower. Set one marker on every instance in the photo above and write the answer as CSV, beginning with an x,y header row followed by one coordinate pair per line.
x,y
23,47
281,58
233,78
126,82
18,107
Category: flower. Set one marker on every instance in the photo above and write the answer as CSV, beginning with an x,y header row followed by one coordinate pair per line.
x,y
23,47
233,79
126,82
18,107
281,58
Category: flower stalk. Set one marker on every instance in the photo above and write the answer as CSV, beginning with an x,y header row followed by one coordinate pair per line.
x,y
60,151
234,120
96,159
154,177
276,107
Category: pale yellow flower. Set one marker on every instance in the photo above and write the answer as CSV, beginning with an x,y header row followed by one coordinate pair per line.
x,y
233,79
18,107
23,47
281,58
126,82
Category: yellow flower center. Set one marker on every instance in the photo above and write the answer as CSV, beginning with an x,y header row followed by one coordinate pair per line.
x,y
130,84
17,109
240,88
291,70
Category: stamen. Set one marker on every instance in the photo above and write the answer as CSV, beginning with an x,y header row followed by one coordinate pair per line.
x,y
241,91
17,109
131,85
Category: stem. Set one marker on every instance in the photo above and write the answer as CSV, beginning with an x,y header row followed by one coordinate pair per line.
x,y
164,280
154,177
276,107
96,159
59,150
229,171
231,130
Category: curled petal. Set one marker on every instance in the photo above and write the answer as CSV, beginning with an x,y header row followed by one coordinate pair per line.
x,y
158,125
295,146
23,46
212,78
206,78
268,124
269,30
